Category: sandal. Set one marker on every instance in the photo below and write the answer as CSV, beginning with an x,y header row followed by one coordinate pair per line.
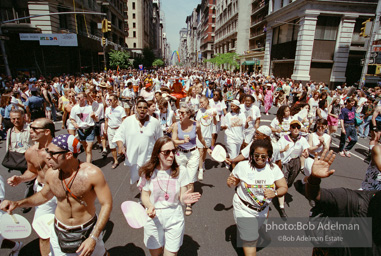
x,y
114,165
188,210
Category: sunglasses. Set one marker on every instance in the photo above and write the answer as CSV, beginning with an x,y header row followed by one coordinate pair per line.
x,y
295,126
36,128
52,153
263,156
167,152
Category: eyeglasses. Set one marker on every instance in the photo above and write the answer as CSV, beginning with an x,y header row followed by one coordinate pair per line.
x,y
295,126
52,153
263,156
167,152
183,112
36,128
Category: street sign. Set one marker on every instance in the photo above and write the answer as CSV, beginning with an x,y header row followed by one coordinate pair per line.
x,y
100,53
374,55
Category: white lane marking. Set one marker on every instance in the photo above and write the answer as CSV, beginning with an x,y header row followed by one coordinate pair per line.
x,y
359,157
367,147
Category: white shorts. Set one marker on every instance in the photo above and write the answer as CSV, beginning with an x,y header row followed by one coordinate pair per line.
x,y
69,125
55,249
200,145
233,149
190,160
110,137
46,208
166,229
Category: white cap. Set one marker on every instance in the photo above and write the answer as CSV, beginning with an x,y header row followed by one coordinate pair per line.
x,y
265,130
236,102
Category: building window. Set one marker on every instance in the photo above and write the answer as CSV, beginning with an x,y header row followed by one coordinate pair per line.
x,y
63,18
134,25
133,16
327,27
134,34
134,45
285,33
133,6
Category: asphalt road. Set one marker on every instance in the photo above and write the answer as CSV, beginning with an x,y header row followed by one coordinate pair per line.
x,y
211,229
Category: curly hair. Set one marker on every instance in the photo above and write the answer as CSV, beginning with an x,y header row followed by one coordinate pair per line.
x,y
265,143
149,167
280,113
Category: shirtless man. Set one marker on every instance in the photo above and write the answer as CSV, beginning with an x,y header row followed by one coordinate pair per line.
x,y
42,132
76,186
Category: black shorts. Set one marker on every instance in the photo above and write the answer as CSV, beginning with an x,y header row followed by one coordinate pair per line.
x,y
378,125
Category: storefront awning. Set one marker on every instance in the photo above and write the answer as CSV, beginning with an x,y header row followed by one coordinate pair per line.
x,y
248,63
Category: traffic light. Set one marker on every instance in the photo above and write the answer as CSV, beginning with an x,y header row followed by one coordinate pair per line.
x,y
365,29
106,26
103,40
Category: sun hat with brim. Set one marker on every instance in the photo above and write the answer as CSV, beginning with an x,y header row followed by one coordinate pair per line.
x,y
296,122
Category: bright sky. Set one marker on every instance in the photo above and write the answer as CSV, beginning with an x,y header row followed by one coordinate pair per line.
x,y
176,12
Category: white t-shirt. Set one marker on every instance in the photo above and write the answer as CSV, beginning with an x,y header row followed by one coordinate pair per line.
x,y
165,119
316,141
194,102
147,95
253,111
218,106
205,117
162,184
256,180
115,116
294,150
285,126
275,157
139,141
128,93
236,124
82,116
98,109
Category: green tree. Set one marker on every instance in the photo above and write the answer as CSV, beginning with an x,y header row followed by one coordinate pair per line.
x,y
158,63
147,59
119,58
229,59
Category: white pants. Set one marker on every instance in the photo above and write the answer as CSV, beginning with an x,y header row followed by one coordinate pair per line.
x,y
46,208
233,149
166,229
308,166
190,160
110,136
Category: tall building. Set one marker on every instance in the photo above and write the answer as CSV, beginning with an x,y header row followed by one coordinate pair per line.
x,y
253,58
65,43
316,40
183,51
208,20
232,26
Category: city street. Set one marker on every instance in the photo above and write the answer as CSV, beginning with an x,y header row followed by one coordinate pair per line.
x,y
210,230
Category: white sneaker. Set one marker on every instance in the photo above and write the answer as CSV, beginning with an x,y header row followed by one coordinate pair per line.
x,y
200,175
17,250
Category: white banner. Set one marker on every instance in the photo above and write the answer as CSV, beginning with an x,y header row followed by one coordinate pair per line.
x,y
51,39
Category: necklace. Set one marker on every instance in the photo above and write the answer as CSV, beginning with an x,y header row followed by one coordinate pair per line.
x,y
68,186
166,196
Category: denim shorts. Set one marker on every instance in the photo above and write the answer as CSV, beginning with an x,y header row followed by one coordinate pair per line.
x,y
87,135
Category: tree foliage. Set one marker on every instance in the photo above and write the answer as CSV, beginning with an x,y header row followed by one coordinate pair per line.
x,y
229,59
147,59
119,58
158,63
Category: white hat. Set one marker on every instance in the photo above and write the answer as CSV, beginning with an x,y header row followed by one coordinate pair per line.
x,y
338,87
236,102
265,130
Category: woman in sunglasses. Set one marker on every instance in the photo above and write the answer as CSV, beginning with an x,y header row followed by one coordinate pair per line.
x,y
292,147
164,190
185,134
258,181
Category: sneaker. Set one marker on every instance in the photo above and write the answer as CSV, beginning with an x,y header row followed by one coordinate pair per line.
x,y
17,250
283,214
347,154
341,153
200,175
104,154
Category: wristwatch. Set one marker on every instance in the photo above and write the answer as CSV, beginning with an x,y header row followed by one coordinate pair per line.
x,y
276,193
